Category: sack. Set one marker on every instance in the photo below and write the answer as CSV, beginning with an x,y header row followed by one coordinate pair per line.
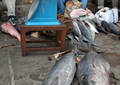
x,y
107,14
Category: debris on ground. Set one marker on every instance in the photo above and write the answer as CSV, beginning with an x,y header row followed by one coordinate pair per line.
x,y
5,46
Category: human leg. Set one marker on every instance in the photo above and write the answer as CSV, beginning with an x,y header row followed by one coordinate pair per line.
x,y
84,3
10,6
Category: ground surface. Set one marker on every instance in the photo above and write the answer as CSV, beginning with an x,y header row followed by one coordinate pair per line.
x,y
32,69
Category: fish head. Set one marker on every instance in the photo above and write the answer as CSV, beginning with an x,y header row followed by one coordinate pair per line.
x,y
86,81
94,80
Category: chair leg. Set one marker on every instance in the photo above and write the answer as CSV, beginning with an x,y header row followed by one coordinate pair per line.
x,y
63,37
23,42
58,41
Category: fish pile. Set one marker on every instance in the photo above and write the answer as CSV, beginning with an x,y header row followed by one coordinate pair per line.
x,y
91,70
86,27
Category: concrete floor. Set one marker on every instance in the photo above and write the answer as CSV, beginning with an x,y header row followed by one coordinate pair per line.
x,y
32,69
28,70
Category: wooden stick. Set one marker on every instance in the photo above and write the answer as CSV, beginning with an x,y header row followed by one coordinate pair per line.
x,y
61,53
4,46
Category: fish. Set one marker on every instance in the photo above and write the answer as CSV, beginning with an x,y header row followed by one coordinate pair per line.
x,y
11,30
92,25
76,29
93,69
98,25
90,28
114,28
101,29
92,43
97,21
62,73
106,26
84,31
77,32
33,9
74,40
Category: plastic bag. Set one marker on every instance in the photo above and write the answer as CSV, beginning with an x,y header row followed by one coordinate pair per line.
x,y
107,14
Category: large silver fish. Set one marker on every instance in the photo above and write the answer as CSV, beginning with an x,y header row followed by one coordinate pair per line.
x,y
98,21
106,26
84,31
33,9
92,25
114,29
90,28
77,33
93,70
62,72
76,29
98,25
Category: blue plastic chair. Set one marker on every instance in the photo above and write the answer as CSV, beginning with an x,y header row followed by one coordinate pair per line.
x,y
48,16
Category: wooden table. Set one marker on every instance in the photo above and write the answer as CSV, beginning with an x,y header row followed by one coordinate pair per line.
x,y
60,37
